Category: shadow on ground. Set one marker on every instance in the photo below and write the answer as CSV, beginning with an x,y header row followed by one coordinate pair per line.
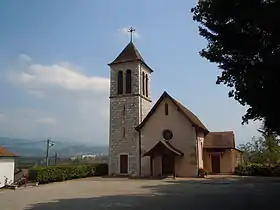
x,y
229,194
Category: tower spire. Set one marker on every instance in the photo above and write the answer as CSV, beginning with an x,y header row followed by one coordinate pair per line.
x,y
131,30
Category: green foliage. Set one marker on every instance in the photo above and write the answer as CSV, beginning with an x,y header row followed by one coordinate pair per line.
x,y
261,156
243,39
264,150
255,169
47,174
101,169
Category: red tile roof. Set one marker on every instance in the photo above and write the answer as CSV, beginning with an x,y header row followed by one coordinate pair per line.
x,y
5,153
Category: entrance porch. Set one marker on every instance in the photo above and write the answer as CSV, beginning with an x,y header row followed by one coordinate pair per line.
x,y
163,157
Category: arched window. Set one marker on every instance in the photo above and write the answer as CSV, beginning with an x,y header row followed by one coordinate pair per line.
x,y
128,81
166,108
143,83
120,82
147,90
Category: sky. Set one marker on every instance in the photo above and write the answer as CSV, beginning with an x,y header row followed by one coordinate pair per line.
x,y
54,78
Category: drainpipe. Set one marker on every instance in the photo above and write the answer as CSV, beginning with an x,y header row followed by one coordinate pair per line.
x,y
141,119
139,134
197,156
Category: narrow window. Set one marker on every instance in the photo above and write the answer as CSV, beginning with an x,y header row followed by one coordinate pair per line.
x,y
147,91
166,108
123,131
143,83
124,111
120,82
128,81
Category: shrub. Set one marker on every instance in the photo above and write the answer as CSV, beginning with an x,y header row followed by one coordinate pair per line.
x,y
101,169
253,169
47,174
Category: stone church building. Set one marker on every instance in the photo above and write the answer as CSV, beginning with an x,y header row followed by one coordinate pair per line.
x,y
166,139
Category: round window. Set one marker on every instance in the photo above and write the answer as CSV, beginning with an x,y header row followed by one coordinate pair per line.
x,y
167,134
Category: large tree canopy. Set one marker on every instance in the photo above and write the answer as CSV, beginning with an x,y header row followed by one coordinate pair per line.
x,y
244,40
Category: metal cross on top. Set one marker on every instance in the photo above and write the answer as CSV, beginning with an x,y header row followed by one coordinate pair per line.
x,y
131,30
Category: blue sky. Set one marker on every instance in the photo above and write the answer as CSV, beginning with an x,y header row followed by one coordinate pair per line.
x,y
54,73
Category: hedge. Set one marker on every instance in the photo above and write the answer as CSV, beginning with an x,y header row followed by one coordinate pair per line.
x,y
47,174
254,169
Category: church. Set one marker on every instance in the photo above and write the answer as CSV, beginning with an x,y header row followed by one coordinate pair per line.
x,y
166,139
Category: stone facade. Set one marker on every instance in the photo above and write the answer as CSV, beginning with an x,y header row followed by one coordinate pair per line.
x,y
146,104
126,112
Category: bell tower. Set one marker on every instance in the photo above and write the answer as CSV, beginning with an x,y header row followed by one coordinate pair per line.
x,y
130,102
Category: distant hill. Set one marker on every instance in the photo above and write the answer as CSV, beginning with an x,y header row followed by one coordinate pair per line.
x,y
31,148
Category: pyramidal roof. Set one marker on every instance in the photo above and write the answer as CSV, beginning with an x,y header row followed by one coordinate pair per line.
x,y
128,54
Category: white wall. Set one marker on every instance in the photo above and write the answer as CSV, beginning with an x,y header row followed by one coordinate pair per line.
x,y
184,139
200,142
7,168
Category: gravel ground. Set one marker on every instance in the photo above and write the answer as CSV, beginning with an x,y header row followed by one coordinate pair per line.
x,y
228,193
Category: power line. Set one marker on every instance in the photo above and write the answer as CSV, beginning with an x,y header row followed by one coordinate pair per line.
x,y
27,143
22,143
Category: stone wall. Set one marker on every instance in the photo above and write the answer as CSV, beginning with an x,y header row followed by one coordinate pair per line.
x,y
126,112
123,136
135,70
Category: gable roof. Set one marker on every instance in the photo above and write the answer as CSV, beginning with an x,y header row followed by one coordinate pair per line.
x,y
219,140
5,153
166,145
128,54
187,113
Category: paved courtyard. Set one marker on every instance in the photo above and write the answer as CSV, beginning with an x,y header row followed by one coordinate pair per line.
x,y
107,193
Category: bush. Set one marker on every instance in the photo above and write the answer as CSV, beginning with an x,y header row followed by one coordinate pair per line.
x,y
101,169
47,174
254,169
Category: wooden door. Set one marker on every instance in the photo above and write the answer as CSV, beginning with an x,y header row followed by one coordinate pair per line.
x,y
123,164
215,164
167,164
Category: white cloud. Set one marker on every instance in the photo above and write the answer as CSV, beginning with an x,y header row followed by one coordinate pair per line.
x,y
37,76
24,58
47,121
58,94
124,31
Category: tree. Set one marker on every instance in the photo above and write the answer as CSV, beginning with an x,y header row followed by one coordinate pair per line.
x,y
244,40
252,151
265,149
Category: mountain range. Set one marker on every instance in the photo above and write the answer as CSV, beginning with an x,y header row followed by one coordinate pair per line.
x,y
31,148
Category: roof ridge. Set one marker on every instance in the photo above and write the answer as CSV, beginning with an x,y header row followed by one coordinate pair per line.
x,y
187,113
182,106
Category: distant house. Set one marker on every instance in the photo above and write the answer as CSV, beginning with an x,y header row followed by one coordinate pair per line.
x,y
7,166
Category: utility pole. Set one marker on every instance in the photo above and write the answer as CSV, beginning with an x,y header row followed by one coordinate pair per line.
x,y
55,158
49,144
47,155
